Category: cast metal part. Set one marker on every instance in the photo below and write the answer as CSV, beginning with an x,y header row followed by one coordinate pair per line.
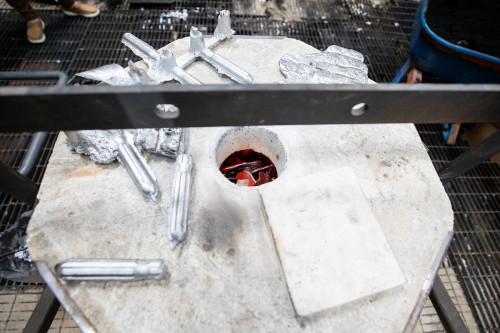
x,y
180,198
222,31
162,65
168,142
136,165
139,75
106,270
223,66
336,65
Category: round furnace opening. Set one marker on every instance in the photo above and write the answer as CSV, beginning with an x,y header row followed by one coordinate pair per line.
x,y
250,156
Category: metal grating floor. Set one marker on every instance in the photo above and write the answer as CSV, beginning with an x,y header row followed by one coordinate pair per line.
x,y
475,249
17,304
13,146
470,271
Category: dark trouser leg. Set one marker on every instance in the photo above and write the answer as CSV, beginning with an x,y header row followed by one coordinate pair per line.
x,y
23,7
66,4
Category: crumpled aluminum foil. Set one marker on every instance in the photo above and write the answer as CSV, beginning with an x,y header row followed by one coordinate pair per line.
x,y
116,75
336,65
113,74
99,145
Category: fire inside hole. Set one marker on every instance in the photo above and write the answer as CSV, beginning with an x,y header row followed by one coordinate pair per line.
x,y
248,168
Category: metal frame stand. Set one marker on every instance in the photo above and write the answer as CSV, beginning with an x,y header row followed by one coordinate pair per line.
x,y
441,300
53,108
446,310
44,313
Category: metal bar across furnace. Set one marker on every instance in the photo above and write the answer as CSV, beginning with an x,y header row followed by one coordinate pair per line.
x,y
104,107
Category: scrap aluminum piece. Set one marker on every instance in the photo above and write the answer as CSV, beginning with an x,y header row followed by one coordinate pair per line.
x,y
180,198
199,49
168,142
98,145
113,74
105,270
106,146
139,75
222,31
336,65
161,65
164,61
345,52
116,75
136,166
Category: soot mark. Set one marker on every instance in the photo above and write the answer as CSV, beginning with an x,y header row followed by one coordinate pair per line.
x,y
221,227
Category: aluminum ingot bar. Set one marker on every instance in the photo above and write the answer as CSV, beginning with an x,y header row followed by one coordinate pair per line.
x,y
223,66
104,270
136,166
180,198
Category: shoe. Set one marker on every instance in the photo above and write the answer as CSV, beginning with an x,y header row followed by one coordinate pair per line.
x,y
82,9
35,31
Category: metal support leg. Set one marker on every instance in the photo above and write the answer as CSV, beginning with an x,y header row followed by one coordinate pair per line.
x,y
448,314
471,158
17,185
33,153
44,313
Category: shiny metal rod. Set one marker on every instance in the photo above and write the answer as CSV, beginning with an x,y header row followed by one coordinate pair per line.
x,y
136,166
180,198
104,270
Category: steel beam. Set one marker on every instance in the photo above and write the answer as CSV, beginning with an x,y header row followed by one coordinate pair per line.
x,y
450,318
44,313
103,107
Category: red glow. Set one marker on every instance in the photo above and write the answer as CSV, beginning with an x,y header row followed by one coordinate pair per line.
x,y
248,165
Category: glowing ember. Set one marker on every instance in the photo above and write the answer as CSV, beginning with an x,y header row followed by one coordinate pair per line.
x,y
248,168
